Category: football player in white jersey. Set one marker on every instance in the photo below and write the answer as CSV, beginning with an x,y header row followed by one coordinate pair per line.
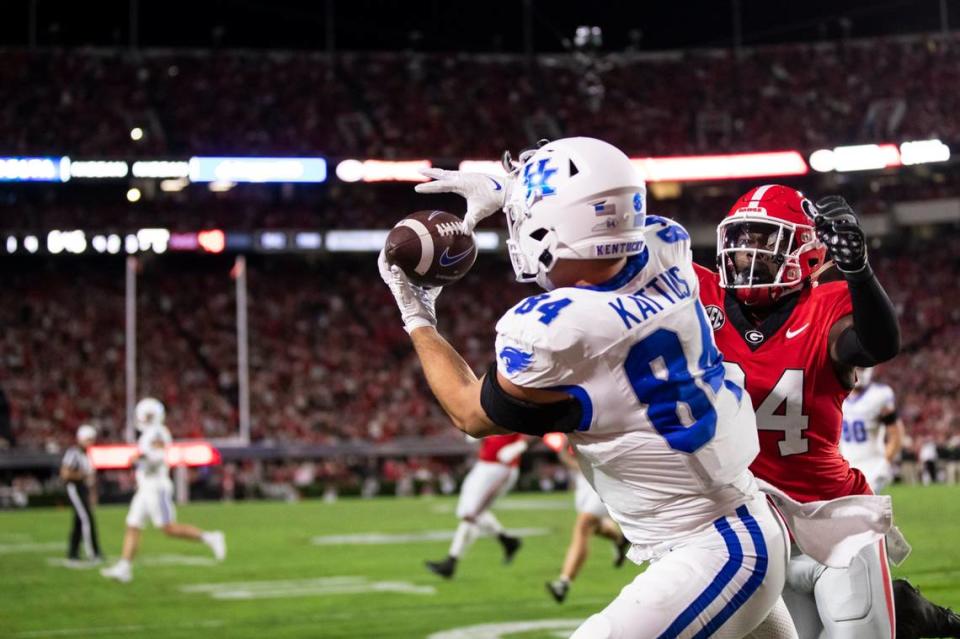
x,y
872,429
618,353
153,500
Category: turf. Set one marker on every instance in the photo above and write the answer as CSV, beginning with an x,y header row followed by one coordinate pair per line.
x,y
270,542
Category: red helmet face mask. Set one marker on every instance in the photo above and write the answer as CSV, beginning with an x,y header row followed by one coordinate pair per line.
x,y
767,246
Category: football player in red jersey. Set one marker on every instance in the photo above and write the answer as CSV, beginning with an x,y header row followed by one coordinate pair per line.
x,y
793,342
494,474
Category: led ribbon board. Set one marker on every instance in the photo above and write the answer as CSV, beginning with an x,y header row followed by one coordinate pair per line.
x,y
120,456
252,169
20,169
721,167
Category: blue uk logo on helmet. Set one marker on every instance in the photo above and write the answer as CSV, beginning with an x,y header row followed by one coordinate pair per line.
x,y
537,181
515,360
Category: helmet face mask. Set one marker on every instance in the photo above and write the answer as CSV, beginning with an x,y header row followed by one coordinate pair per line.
x,y
757,253
575,198
766,251
532,250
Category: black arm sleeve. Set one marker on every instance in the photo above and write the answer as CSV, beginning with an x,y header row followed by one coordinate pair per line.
x,y
890,418
875,334
528,418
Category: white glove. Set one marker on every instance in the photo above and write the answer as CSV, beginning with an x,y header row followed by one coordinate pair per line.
x,y
485,194
510,452
417,304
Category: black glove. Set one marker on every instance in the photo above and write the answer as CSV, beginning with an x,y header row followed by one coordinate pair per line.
x,y
839,229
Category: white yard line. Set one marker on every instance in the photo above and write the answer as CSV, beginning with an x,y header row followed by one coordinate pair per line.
x,y
323,591
272,583
178,560
148,560
515,504
371,538
73,564
499,630
319,587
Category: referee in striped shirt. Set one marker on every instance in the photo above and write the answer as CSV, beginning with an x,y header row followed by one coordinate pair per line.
x,y
78,474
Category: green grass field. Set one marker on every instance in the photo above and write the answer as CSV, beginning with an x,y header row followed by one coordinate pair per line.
x,y
278,582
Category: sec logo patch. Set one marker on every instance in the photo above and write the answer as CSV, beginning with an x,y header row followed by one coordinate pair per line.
x,y
716,316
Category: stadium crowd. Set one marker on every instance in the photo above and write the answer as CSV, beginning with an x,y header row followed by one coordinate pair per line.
x,y
85,102
329,360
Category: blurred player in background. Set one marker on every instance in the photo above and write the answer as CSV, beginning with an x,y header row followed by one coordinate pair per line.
x,y
794,344
617,353
872,430
80,478
153,500
592,519
494,474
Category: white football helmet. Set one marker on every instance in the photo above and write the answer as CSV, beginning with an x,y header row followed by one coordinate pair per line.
x,y
86,433
864,377
574,198
150,412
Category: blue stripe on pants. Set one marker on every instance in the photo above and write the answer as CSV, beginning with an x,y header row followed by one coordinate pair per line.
x,y
714,590
753,582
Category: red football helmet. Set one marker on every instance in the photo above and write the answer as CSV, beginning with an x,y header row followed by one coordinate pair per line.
x,y
767,246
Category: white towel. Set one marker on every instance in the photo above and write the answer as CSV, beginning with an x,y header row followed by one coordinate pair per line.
x,y
833,532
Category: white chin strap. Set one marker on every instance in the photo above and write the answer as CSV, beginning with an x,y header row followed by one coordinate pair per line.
x,y
543,281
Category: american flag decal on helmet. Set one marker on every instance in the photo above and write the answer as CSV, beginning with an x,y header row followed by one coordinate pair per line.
x,y
603,208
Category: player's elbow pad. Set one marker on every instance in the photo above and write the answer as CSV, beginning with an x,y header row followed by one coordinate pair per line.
x,y
528,418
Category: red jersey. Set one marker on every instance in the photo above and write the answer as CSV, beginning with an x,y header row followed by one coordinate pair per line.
x,y
785,366
490,446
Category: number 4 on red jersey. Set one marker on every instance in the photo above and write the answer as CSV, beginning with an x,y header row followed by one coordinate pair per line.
x,y
781,410
784,365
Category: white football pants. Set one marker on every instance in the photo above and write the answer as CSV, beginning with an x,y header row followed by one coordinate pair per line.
x,y
842,603
586,500
722,582
485,482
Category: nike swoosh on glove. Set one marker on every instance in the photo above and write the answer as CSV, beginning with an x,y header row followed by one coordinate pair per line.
x,y
485,194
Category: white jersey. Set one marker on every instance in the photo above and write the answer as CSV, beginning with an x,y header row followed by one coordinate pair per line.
x,y
665,439
864,433
152,469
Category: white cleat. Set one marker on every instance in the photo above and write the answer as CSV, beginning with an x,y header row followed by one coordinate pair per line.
x,y
118,572
218,544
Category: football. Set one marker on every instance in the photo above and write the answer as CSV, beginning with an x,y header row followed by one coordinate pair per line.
x,y
433,248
